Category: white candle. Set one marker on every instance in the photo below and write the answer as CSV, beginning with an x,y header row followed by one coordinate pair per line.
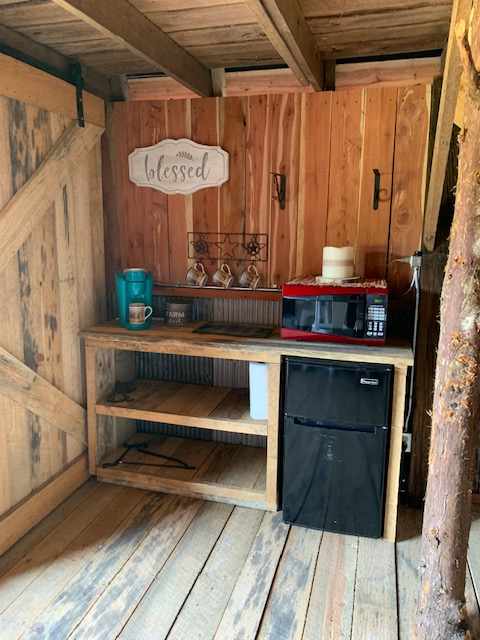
x,y
338,262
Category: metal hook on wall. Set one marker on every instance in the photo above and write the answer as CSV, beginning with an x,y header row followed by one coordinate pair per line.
x,y
376,188
280,184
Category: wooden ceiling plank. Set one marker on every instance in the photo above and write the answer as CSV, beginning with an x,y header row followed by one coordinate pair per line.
x,y
34,52
180,5
287,30
372,41
422,33
219,35
381,46
329,8
237,54
54,32
202,17
16,15
412,17
122,22
443,134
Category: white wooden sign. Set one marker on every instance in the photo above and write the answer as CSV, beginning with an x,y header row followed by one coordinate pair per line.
x,y
178,166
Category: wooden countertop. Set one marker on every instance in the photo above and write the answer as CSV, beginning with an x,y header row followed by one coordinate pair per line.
x,y
182,341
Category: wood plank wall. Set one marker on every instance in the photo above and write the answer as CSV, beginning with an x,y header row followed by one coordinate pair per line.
x,y
53,286
328,145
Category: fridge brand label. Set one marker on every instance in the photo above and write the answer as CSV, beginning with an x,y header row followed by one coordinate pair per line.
x,y
179,166
373,382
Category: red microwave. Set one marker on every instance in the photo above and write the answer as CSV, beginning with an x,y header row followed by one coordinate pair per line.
x,y
352,313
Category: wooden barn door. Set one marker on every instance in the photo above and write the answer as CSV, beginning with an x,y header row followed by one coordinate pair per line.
x,y
52,284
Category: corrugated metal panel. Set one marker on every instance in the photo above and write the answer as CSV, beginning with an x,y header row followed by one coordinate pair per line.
x,y
202,434
195,370
230,373
160,366
249,311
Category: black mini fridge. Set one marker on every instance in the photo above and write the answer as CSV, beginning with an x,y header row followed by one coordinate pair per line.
x,y
335,443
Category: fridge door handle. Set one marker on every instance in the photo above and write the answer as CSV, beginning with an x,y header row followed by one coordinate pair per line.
x,y
311,423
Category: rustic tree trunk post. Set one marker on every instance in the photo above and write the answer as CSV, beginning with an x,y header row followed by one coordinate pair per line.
x,y
446,525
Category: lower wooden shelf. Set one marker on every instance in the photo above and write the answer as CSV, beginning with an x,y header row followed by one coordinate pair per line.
x,y
220,472
188,405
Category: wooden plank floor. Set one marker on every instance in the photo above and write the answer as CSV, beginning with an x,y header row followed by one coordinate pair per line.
x,y
115,562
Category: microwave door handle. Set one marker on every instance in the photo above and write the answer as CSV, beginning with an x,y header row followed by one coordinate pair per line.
x,y
316,321
360,319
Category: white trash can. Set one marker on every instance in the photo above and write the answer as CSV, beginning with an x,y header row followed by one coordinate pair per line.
x,y
258,390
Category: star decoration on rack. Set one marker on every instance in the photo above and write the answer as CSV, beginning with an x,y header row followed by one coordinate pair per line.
x,y
240,247
254,247
200,247
228,247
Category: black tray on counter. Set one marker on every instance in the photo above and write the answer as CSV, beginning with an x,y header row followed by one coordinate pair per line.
x,y
238,330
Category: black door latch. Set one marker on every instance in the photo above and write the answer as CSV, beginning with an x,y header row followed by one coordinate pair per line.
x,y
376,188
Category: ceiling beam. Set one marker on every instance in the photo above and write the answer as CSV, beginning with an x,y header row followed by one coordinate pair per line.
x,y
38,55
218,81
288,31
443,134
121,21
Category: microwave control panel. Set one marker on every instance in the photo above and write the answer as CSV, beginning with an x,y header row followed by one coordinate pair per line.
x,y
376,316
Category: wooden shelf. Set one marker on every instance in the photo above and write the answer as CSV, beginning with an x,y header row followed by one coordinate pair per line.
x,y
226,473
217,292
187,405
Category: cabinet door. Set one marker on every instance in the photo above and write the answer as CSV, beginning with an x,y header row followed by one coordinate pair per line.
x,y
408,189
380,107
338,393
333,479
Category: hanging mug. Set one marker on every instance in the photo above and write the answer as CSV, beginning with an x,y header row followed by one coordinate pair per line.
x,y
250,277
197,275
223,276
139,313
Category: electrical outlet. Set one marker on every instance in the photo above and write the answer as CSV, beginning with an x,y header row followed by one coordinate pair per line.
x,y
407,443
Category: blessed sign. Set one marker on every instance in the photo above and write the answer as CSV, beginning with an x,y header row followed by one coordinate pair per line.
x,y
178,166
